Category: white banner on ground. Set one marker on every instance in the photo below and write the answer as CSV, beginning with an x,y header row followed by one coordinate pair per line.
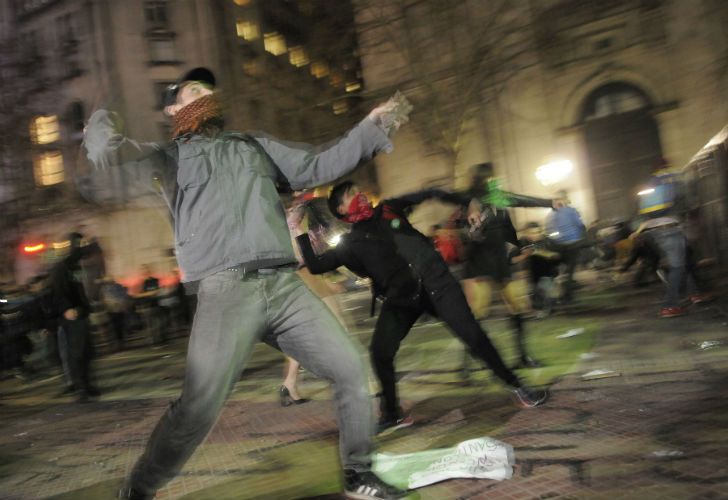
x,y
481,458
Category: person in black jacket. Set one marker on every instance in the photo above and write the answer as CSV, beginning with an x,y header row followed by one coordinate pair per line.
x,y
73,308
412,278
488,265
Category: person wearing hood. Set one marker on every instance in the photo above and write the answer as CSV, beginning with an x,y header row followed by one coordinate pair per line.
x,y
411,278
488,263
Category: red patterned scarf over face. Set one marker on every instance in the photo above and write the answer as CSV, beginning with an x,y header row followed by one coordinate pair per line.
x,y
359,209
195,115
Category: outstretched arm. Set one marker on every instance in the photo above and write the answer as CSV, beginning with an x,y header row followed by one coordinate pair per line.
x,y
521,200
317,264
124,169
305,166
106,146
409,200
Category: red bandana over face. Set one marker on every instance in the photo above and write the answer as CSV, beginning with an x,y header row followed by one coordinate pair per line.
x,y
359,209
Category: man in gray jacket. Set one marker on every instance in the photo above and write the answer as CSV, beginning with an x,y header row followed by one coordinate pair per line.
x,y
232,243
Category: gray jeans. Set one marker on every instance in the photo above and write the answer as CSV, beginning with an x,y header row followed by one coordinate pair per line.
x,y
234,311
671,242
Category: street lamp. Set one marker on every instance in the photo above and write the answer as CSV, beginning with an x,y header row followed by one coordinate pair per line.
x,y
555,171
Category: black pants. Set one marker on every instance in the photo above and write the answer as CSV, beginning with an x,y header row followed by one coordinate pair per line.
x,y
117,321
448,303
570,258
80,351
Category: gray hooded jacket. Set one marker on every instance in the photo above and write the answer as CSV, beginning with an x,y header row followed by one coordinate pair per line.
x,y
221,191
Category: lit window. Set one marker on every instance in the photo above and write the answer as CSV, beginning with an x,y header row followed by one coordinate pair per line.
x,y
247,30
242,3
48,168
341,107
44,129
352,86
274,43
336,79
319,69
297,56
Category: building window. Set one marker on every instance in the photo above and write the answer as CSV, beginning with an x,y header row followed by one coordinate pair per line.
x,y
48,168
30,47
76,117
23,7
162,50
242,3
340,107
247,30
336,79
274,43
155,13
44,129
297,56
613,99
319,69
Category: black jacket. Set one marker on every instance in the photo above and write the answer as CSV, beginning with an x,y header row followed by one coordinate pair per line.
x,y
487,252
400,260
67,288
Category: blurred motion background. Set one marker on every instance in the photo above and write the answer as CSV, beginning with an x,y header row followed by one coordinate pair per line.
x,y
586,96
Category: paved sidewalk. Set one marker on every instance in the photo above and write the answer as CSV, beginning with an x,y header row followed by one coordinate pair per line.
x,y
658,430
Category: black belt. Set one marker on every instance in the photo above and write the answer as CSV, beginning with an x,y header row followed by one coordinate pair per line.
x,y
262,271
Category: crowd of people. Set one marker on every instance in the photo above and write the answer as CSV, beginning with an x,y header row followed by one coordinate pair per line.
x,y
59,319
233,245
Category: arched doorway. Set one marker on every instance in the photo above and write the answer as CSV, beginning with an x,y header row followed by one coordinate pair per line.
x,y
623,144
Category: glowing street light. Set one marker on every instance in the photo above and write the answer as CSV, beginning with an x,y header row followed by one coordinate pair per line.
x,y
34,248
555,171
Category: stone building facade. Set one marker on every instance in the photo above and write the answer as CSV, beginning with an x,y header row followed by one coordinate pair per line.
x,y
609,86
285,67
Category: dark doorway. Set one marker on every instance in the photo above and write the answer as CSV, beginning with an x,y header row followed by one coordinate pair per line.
x,y
623,145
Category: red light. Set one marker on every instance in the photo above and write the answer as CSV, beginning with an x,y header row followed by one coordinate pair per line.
x,y
34,248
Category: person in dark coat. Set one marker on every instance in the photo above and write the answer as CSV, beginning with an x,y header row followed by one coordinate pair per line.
x,y
488,265
73,308
411,277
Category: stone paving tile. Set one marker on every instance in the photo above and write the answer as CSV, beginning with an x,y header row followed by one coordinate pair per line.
x,y
660,430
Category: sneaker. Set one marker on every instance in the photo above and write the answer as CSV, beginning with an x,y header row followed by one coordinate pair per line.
x,y
129,493
700,298
530,398
367,486
392,424
671,312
